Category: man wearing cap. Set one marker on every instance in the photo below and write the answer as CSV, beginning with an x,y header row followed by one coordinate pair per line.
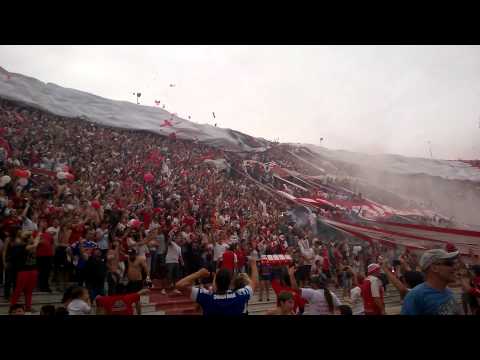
x,y
433,297
372,291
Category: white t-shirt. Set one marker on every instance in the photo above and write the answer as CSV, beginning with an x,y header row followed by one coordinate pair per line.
x,y
356,250
29,225
318,257
357,301
309,255
56,232
218,251
78,307
317,304
375,284
173,253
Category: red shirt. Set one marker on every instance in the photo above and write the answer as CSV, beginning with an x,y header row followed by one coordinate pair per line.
x,y
241,258
147,218
190,221
45,247
76,234
118,304
10,223
299,301
326,263
228,261
367,287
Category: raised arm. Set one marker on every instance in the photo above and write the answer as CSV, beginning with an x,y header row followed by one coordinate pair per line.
x,y
185,284
291,274
25,211
35,243
404,265
254,275
394,280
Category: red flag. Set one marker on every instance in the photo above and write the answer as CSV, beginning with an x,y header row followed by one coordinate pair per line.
x,y
166,123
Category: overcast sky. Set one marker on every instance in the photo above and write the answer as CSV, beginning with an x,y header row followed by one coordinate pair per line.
x,y
376,99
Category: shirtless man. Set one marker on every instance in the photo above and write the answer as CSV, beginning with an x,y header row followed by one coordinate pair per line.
x,y
114,273
137,268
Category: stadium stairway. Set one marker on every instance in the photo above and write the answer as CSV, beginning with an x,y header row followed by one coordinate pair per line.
x,y
157,303
40,299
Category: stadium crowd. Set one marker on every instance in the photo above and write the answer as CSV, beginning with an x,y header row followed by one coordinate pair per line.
x,y
102,213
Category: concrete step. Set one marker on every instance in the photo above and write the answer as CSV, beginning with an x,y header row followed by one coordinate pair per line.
x,y
41,299
148,309
184,310
154,313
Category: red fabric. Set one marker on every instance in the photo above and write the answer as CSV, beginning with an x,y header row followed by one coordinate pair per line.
x,y
475,292
26,282
166,123
241,258
326,261
147,218
371,307
189,221
118,304
45,247
437,229
228,261
10,223
77,233
299,301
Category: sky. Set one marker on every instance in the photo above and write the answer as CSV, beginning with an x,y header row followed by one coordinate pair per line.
x,y
375,99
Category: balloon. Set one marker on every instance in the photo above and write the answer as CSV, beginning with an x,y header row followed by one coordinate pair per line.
x,y
4,180
21,173
134,223
148,177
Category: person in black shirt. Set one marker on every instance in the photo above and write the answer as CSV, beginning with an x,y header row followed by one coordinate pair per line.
x,y
95,274
10,271
24,258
